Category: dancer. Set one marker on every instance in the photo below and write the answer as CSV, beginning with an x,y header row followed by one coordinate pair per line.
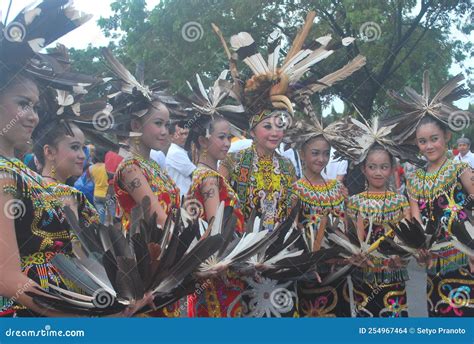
x,y
262,178
146,113
33,229
440,193
210,131
322,203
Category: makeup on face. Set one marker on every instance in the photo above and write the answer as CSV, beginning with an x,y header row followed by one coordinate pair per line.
x,y
267,135
431,141
378,169
219,140
316,155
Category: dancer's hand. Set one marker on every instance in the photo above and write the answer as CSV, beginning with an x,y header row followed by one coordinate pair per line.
x,y
424,257
217,270
471,264
361,260
395,263
135,306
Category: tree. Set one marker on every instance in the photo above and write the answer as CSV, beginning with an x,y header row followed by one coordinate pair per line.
x,y
399,38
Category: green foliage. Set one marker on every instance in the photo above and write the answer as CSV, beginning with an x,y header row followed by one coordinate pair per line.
x,y
410,36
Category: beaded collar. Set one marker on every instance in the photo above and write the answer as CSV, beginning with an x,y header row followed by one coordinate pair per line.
x,y
429,186
381,207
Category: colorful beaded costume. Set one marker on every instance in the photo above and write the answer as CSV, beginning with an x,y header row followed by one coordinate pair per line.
x,y
318,201
379,291
214,301
441,195
41,229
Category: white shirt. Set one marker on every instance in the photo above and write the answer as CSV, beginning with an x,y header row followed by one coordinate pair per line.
x,y
179,167
159,157
334,168
240,145
293,156
469,158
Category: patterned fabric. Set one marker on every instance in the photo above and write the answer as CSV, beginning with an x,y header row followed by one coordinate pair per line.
x,y
380,300
317,201
41,228
327,301
262,184
217,298
160,183
376,285
451,294
381,207
219,293
441,195
65,194
167,194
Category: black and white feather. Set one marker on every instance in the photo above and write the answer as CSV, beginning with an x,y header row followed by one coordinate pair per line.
x,y
415,106
121,269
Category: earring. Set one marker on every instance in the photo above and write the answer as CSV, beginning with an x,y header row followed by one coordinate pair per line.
x,y
204,154
136,141
366,184
53,171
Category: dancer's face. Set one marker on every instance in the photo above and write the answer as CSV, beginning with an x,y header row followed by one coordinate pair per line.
x,y
18,112
432,141
378,168
67,154
267,135
316,154
218,143
154,127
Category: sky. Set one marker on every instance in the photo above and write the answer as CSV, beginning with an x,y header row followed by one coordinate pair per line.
x,y
90,33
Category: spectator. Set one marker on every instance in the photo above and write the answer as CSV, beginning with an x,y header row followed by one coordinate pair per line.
x,y
100,178
335,169
465,154
178,163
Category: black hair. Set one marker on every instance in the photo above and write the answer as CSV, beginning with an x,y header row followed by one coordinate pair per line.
x,y
314,138
50,135
378,147
9,78
180,124
99,155
432,120
199,126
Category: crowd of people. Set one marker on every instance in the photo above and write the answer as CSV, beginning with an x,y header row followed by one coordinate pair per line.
x,y
367,194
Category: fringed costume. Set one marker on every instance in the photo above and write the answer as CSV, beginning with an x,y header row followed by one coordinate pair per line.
x,y
321,203
41,229
379,291
440,195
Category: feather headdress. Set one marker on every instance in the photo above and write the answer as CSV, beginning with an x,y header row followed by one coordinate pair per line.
x,y
219,100
355,139
34,28
62,102
270,86
311,127
416,106
130,95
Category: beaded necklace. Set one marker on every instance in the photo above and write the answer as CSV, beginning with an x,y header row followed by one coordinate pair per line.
x,y
327,192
